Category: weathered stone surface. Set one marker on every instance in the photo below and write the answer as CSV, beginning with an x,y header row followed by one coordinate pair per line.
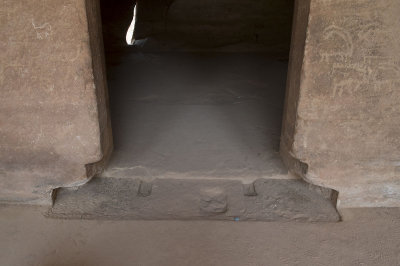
x,y
342,120
213,201
276,200
249,190
145,189
53,97
343,117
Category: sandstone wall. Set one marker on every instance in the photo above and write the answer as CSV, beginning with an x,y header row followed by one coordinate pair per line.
x,y
53,118
343,127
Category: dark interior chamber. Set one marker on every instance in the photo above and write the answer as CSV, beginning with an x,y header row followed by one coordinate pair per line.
x,y
201,92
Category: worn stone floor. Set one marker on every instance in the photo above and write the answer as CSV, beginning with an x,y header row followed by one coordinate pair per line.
x,y
195,128
166,199
196,115
366,237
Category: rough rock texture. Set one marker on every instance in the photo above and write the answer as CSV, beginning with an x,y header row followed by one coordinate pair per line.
x,y
53,118
371,237
121,198
341,127
343,119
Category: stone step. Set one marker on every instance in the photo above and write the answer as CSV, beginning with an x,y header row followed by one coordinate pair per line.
x,y
263,200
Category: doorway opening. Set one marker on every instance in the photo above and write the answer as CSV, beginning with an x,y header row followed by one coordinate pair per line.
x,y
200,93
196,108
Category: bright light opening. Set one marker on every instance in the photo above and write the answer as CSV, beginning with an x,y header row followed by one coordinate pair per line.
x,y
129,35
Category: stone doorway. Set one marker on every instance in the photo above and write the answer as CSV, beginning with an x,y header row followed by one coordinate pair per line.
x,y
340,122
196,108
199,95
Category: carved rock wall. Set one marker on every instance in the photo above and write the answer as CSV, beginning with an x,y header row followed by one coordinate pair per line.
x,y
344,122
53,108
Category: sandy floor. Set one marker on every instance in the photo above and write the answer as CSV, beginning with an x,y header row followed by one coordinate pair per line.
x,y
196,115
366,238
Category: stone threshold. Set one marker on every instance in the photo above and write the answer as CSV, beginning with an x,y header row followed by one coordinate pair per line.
x,y
179,199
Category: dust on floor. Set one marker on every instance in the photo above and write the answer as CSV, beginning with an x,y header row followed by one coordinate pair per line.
x,y
367,237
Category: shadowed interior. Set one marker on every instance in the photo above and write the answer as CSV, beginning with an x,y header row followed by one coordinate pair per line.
x,y
183,107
